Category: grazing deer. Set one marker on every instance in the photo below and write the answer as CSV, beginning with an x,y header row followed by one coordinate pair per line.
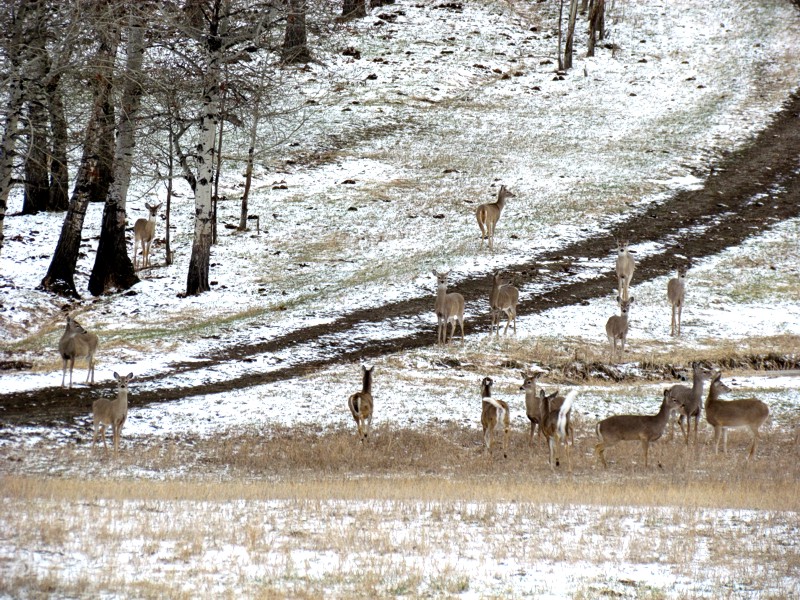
x,y
646,428
144,230
503,298
112,412
617,326
533,405
488,214
489,415
449,308
676,293
555,424
723,414
690,400
624,267
76,342
360,404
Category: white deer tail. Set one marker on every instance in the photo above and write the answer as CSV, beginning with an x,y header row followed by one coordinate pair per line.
x,y
561,424
500,408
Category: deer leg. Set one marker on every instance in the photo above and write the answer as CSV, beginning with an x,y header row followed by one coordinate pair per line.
x,y
461,322
725,441
599,451
696,423
71,366
754,443
63,372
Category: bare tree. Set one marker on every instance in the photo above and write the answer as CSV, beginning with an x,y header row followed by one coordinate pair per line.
x,y
354,9
596,24
568,44
295,43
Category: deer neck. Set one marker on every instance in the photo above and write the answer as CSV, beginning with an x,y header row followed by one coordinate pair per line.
x,y
441,294
122,398
663,414
697,386
713,396
366,385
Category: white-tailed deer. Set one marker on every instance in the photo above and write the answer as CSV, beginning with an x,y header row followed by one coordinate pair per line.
x,y
503,299
489,415
723,415
690,400
533,405
676,293
144,230
449,308
360,404
624,267
555,423
488,214
112,412
617,326
645,428
76,342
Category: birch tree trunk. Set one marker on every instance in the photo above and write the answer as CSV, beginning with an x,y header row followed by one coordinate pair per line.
x,y
37,182
112,267
8,147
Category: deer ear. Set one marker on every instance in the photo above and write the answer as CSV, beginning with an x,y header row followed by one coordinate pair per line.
x,y
130,375
116,375
632,299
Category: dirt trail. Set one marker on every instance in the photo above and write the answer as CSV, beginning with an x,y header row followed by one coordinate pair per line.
x,y
749,191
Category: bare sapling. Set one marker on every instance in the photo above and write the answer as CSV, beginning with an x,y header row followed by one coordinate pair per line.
x,y
676,293
449,309
503,299
360,404
492,411
624,267
144,230
112,413
533,405
488,214
555,423
645,428
724,414
617,326
690,400
76,342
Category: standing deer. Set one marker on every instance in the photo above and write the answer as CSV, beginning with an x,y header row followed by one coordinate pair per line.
x,y
360,404
723,414
676,293
645,428
144,230
488,214
555,424
617,326
76,342
533,406
690,400
503,298
449,308
624,267
489,415
112,412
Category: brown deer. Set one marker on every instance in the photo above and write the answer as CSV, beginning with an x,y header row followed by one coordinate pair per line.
x,y
449,308
723,415
488,214
624,267
645,428
144,230
360,404
112,413
617,326
690,400
503,299
489,416
555,424
533,405
76,342
676,293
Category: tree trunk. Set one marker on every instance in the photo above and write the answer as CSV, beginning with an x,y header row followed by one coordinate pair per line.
x,y
573,13
59,175
248,174
37,183
354,9
560,37
112,267
94,174
170,174
295,44
596,24
8,146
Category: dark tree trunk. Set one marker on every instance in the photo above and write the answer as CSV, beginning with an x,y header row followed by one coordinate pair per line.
x,y
37,184
295,47
59,176
596,24
568,44
354,9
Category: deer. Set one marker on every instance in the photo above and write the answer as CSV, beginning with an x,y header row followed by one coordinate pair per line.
x,y
555,424
722,414
676,293
624,267
76,342
449,308
617,326
503,298
690,400
112,413
533,405
360,404
645,428
488,214
144,230
489,416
